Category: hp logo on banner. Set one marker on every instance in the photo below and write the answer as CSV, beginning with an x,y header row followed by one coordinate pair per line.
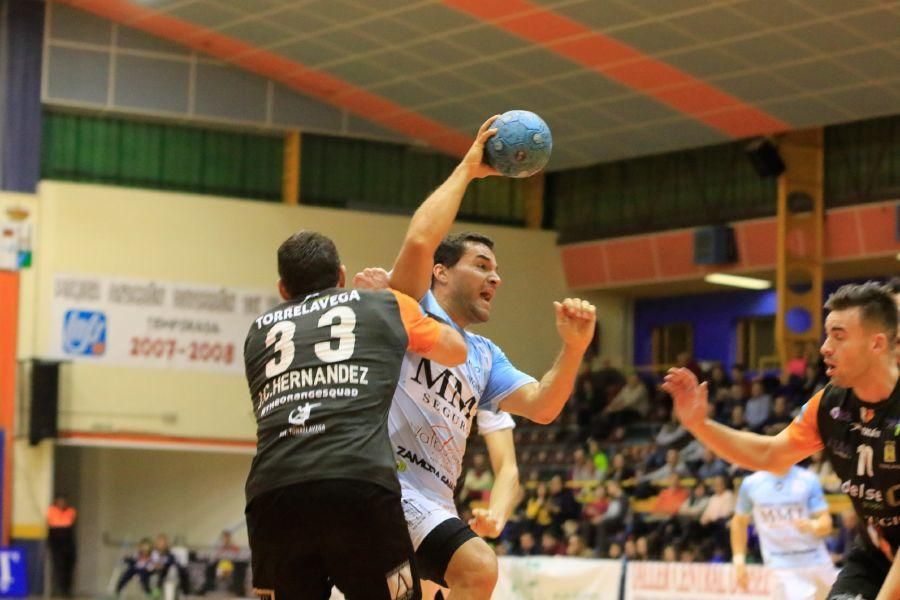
x,y
84,333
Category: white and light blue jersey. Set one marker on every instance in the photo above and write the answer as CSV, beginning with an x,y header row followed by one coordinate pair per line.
x,y
434,406
776,504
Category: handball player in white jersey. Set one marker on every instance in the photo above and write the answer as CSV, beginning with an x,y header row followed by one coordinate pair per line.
x,y
431,416
791,518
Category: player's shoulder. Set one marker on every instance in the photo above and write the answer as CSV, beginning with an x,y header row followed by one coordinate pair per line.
x,y
755,479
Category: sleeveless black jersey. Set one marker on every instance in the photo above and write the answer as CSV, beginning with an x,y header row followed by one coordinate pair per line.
x,y
860,440
321,372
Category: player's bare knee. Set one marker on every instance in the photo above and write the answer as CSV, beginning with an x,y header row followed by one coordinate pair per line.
x,y
473,566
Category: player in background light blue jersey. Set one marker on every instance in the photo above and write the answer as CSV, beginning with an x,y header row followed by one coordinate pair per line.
x,y
792,518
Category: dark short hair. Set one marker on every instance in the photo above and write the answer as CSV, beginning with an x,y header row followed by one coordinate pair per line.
x,y
453,247
894,284
875,301
308,262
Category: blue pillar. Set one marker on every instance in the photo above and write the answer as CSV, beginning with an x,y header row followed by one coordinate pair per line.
x,y
20,87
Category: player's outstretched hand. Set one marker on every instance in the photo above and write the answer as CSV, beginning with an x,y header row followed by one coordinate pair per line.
x,y
473,161
485,523
691,400
374,278
576,321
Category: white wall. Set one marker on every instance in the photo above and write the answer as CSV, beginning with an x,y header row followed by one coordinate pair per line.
x,y
146,234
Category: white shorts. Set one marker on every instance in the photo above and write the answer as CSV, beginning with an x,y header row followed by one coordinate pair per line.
x,y
423,514
803,583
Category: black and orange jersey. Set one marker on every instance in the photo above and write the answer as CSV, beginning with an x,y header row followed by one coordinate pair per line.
x,y
860,440
322,372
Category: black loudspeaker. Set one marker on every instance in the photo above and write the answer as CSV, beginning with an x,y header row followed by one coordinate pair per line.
x,y
714,245
764,157
44,401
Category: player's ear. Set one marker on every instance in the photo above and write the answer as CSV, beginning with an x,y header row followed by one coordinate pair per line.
x,y
439,272
282,290
342,276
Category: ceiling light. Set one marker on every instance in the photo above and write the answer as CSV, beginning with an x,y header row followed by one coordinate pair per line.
x,y
751,283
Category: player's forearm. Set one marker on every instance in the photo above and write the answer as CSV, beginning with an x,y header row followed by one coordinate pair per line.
x,y
556,386
822,524
742,448
434,217
890,589
505,493
738,540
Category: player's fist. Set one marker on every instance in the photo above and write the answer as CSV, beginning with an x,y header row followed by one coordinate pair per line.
x,y
485,523
374,278
576,320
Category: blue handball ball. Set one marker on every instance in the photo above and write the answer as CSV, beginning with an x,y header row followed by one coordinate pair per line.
x,y
521,147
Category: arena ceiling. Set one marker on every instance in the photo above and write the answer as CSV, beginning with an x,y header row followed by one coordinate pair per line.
x,y
613,78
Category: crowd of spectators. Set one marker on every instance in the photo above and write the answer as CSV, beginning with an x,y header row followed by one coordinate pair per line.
x,y
617,476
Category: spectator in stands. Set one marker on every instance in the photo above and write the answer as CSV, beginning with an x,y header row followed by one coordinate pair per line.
x,y
596,505
620,471
642,548
669,554
780,417
141,564
759,407
614,552
671,499
739,377
629,551
812,382
717,380
821,466
583,467
607,380
537,508
672,434
562,505
723,403
631,403
842,540
478,480
663,475
717,513
596,454
687,555
164,560
690,511
550,544
686,360
613,520
587,401
711,466
796,365
577,547
737,420
61,543
527,545
220,569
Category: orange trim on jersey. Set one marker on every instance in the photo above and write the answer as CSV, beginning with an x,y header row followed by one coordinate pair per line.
x,y
422,330
803,432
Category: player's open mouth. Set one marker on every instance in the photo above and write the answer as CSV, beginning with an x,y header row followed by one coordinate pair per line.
x,y
487,296
829,369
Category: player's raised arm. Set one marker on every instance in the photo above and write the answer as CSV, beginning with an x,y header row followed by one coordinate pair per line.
x,y
744,449
428,337
411,273
542,401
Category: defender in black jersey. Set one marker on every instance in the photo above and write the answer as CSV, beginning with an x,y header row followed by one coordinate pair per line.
x,y
855,419
323,500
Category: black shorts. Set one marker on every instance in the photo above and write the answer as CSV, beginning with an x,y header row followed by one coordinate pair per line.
x,y
862,576
308,536
438,547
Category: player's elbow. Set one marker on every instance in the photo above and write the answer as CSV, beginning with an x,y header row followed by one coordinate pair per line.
x,y
543,417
